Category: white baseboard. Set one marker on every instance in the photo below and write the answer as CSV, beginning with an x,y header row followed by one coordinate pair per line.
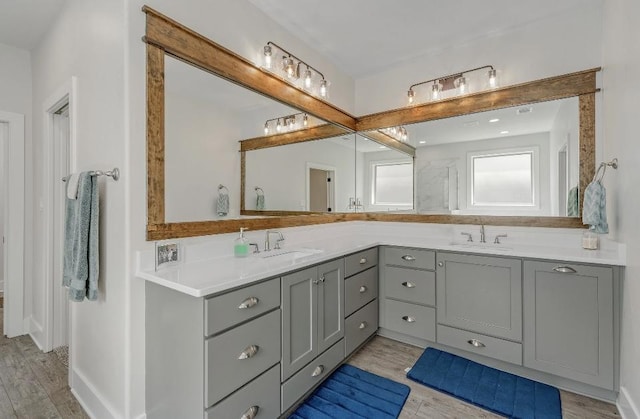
x,y
627,406
91,401
36,331
142,416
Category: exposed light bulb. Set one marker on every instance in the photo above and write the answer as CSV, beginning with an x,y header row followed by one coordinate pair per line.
x,y
493,82
462,85
435,90
411,94
289,67
278,126
323,88
307,78
267,56
305,120
266,128
405,136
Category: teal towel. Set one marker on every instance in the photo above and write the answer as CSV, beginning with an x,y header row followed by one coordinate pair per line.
x,y
573,202
222,204
594,207
81,225
260,202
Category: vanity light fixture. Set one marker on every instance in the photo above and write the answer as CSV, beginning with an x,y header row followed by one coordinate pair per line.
x,y
289,122
456,81
291,70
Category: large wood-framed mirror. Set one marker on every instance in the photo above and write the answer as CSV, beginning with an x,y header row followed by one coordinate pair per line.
x,y
165,37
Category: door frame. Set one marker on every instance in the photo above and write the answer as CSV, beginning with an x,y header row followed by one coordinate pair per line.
x,y
331,201
14,323
67,93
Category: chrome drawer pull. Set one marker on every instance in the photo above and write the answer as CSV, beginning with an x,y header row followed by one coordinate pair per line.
x,y
363,261
564,269
249,352
408,284
408,258
408,319
248,303
251,413
319,370
363,325
476,343
363,289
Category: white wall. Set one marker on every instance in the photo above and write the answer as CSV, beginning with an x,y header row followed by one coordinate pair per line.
x,y
88,41
281,172
621,66
15,96
457,154
562,44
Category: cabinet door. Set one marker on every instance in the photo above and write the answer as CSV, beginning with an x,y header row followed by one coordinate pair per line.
x,y
330,303
568,321
299,317
480,294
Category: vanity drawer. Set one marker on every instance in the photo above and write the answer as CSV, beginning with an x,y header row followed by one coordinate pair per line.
x,y
360,261
410,258
411,319
360,289
302,381
360,325
229,360
503,350
410,285
227,310
262,393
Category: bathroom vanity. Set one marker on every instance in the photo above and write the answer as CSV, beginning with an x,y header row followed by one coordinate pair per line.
x,y
224,346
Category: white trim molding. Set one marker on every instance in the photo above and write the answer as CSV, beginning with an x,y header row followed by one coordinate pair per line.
x,y
90,399
626,405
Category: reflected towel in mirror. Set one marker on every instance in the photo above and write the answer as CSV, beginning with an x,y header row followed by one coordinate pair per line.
x,y
222,204
260,202
573,202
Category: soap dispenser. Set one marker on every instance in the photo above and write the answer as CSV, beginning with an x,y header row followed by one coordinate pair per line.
x,y
241,245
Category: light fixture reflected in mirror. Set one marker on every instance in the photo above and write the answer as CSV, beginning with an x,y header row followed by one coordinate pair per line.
x,y
313,82
286,123
457,81
398,133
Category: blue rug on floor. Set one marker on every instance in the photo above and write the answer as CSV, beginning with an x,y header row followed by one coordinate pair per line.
x,y
351,393
498,391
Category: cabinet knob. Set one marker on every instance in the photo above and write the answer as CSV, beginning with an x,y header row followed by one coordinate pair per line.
x,y
315,282
248,303
408,284
363,289
476,343
564,269
408,258
408,319
363,261
441,264
249,352
319,370
251,413
322,279
363,325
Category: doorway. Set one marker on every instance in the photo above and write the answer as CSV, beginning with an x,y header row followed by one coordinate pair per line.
x,y
320,188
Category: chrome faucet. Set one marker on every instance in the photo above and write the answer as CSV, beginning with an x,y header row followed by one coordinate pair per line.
x,y
267,244
482,240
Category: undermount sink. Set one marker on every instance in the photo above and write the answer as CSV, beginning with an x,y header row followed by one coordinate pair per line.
x,y
296,253
484,246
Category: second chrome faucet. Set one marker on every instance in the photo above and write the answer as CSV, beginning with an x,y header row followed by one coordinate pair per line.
x,y
267,243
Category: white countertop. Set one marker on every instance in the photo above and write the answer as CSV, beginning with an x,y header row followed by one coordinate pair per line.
x,y
205,276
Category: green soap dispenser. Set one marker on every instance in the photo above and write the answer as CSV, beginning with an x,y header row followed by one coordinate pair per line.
x,y
241,245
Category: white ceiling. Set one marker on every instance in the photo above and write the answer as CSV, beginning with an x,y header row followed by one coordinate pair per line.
x,y
23,23
363,36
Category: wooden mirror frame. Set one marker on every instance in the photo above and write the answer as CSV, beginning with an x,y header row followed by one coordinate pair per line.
x,y
166,36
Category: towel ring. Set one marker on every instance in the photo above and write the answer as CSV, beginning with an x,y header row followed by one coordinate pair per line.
x,y
259,191
221,186
613,163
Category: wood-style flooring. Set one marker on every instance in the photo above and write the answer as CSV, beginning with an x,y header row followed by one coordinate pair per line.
x,y
389,358
33,384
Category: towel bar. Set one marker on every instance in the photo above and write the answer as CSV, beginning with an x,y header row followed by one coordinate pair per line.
x,y
113,173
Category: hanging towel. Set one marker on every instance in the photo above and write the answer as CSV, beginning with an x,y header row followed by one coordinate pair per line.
x,y
72,185
573,202
260,202
222,204
81,224
594,209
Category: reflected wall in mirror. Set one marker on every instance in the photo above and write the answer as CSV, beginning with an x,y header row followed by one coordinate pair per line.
x,y
205,117
315,176
522,160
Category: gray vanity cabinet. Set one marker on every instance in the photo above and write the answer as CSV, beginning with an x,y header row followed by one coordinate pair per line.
x,y
480,294
569,321
312,314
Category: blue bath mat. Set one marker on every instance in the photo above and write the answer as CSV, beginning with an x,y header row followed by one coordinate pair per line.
x,y
498,391
351,393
